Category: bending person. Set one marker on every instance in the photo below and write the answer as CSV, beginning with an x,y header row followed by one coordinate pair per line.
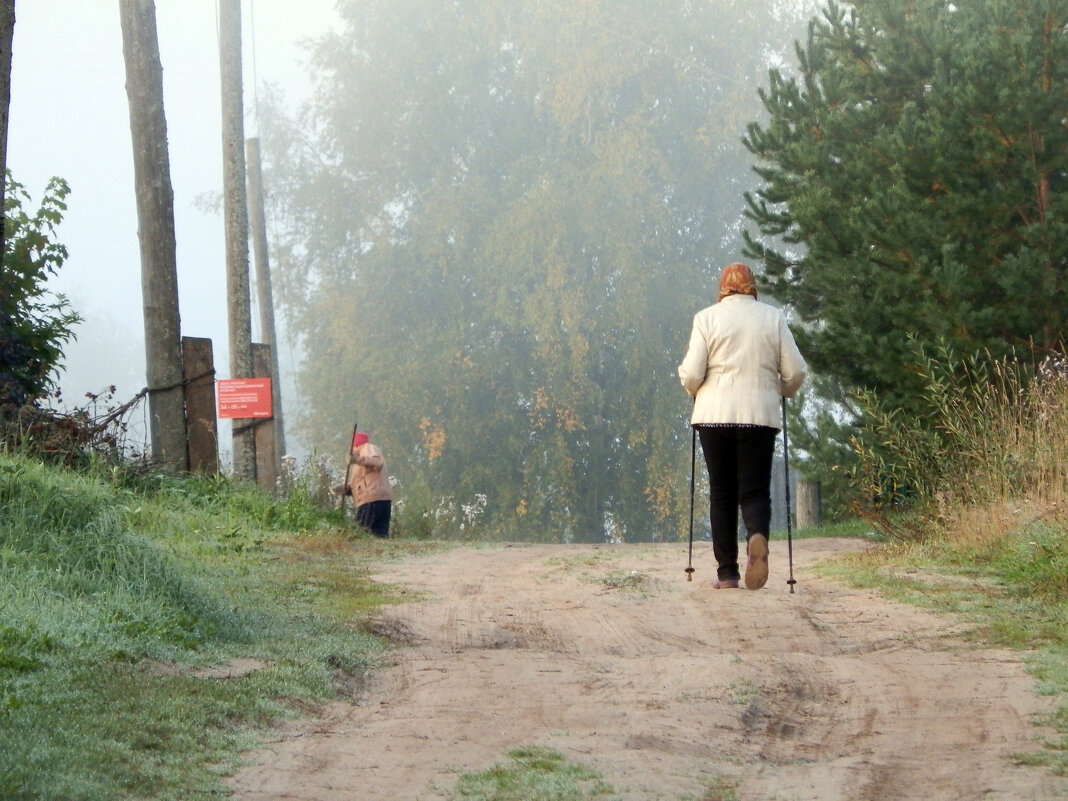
x,y
369,486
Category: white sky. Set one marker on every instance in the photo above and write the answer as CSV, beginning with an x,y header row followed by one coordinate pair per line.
x,y
70,118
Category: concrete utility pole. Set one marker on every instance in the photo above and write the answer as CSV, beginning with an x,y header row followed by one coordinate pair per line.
x,y
7,34
235,213
264,295
155,217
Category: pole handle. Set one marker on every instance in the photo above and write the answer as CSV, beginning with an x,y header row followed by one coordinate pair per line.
x,y
348,466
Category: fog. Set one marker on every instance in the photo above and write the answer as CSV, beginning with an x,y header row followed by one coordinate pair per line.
x,y
524,280
69,118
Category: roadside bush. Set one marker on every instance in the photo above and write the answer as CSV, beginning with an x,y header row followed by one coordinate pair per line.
x,y
34,323
994,437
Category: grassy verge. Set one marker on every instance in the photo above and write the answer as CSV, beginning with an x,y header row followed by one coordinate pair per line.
x,y
973,491
852,528
117,593
1012,588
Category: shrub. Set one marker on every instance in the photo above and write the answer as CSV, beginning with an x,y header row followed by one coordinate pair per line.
x,y
34,323
995,433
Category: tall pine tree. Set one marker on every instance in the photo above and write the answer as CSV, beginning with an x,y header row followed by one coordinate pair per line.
x,y
914,176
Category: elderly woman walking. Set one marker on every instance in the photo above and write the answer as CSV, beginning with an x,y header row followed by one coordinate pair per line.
x,y
741,360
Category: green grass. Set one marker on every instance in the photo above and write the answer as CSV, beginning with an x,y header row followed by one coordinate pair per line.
x,y
540,774
848,529
115,588
532,774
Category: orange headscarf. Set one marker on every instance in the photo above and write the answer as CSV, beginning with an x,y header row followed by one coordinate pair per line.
x,y
737,279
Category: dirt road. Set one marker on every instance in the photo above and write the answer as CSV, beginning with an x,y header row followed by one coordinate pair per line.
x,y
665,687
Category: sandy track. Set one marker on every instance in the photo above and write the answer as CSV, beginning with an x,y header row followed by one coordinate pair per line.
x,y
665,687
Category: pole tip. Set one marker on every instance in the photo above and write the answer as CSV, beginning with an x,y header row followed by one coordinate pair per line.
x,y
689,573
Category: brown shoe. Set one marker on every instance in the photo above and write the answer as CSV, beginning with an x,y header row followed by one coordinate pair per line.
x,y
756,569
725,584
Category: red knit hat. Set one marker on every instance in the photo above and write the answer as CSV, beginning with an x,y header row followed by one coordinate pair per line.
x,y
360,439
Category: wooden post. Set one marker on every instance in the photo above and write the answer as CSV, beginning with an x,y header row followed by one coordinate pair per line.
x,y
808,504
264,294
235,213
201,415
155,218
267,461
7,33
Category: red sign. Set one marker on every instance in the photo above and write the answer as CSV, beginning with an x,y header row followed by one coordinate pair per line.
x,y
241,398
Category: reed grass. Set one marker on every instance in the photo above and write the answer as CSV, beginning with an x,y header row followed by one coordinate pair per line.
x,y
989,455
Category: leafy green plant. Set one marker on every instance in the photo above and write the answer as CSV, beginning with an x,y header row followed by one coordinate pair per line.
x,y
34,323
721,788
819,435
546,271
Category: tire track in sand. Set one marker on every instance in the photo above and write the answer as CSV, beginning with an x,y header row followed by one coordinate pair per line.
x,y
608,655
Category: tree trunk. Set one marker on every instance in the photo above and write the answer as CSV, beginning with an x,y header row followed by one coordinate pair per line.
x,y
235,213
808,504
264,294
265,431
155,216
7,33
199,359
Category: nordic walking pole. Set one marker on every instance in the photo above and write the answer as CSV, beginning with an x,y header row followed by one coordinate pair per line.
x,y
348,466
789,531
693,462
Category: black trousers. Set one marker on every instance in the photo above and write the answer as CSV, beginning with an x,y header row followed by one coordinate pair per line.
x,y
739,474
375,516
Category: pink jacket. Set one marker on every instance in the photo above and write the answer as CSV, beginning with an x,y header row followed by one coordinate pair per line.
x,y
742,358
368,478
